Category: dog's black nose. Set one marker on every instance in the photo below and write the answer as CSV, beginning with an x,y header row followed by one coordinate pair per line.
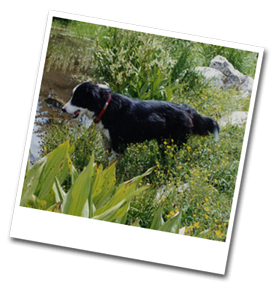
x,y
63,109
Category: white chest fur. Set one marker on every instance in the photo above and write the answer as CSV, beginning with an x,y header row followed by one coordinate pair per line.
x,y
104,132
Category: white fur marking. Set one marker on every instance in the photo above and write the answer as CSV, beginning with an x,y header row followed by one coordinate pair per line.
x,y
103,86
216,134
105,132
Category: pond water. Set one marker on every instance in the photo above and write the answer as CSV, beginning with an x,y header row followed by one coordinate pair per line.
x,y
67,55
56,88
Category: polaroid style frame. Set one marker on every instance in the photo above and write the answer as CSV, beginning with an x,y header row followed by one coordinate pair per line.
x,y
120,240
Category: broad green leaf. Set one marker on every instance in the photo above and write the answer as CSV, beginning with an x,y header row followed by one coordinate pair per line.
x,y
122,192
63,171
53,166
50,198
206,233
33,171
55,208
173,224
122,220
122,213
135,223
97,182
143,89
72,169
109,179
95,188
85,211
71,148
109,214
113,213
58,190
78,194
31,182
158,220
28,167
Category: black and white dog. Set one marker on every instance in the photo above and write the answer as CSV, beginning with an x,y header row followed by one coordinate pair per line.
x,y
122,120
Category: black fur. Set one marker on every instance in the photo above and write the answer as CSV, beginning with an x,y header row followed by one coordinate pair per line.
x,y
132,120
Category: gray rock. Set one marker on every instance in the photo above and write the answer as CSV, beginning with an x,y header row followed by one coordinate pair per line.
x,y
215,77
222,74
234,78
237,118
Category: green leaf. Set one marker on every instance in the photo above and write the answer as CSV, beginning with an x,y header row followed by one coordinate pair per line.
x,y
85,211
31,181
55,208
96,183
122,192
125,191
78,194
173,224
72,169
50,198
135,223
53,166
107,186
122,220
72,148
60,194
113,213
206,233
28,162
109,214
158,220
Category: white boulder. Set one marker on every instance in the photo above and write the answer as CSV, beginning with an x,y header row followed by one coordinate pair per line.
x,y
215,77
222,74
234,78
237,118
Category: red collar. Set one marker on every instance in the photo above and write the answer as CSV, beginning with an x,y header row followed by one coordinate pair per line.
x,y
97,119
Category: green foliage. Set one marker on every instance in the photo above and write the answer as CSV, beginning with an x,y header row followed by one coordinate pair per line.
x,y
242,60
184,175
136,64
192,185
93,193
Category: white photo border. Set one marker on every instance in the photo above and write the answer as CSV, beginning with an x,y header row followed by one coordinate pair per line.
x,y
120,240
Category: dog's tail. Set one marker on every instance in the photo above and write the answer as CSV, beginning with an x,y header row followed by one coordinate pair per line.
x,y
203,125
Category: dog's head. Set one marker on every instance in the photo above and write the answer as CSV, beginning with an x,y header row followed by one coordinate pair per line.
x,y
87,98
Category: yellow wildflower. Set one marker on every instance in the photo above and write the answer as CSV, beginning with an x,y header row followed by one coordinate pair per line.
x,y
197,225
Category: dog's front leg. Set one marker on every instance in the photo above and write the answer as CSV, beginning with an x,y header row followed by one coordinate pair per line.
x,y
107,146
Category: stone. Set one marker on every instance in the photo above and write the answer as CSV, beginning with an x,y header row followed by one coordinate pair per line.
x,y
237,118
215,77
222,74
234,78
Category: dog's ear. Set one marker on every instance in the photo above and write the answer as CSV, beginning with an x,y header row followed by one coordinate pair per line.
x,y
92,89
95,97
104,92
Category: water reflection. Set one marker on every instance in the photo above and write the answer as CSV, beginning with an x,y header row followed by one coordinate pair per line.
x,y
62,65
